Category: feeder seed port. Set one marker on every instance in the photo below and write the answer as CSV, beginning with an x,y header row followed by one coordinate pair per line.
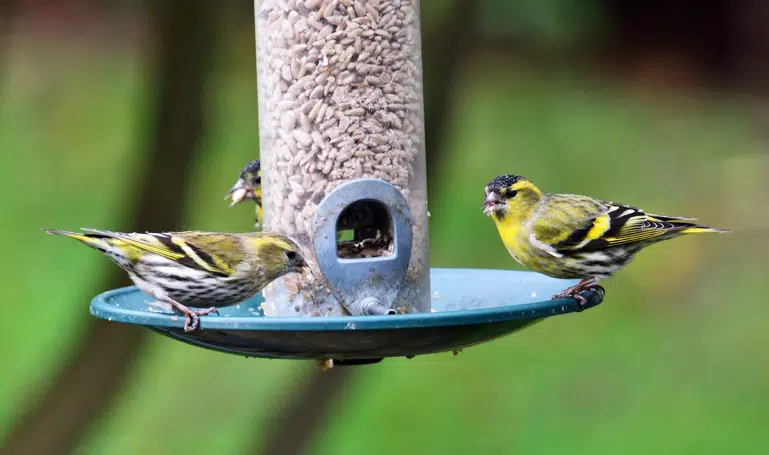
x,y
365,285
372,306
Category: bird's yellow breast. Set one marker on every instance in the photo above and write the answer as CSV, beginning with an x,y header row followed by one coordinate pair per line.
x,y
510,231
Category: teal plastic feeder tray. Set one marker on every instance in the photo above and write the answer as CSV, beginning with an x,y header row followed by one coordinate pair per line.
x,y
469,306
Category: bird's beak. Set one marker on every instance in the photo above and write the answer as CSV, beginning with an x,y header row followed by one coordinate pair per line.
x,y
305,268
238,193
491,201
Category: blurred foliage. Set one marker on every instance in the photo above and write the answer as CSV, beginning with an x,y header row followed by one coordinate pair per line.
x,y
672,362
557,24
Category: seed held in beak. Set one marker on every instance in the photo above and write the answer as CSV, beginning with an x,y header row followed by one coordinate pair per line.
x,y
491,201
238,193
238,196
306,269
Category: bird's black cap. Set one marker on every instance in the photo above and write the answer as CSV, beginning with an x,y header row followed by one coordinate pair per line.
x,y
503,182
251,168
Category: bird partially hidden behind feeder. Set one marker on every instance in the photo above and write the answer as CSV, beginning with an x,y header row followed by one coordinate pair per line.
x,y
367,243
248,187
194,269
572,236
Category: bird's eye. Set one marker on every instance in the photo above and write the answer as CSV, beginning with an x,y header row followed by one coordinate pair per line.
x,y
511,193
291,255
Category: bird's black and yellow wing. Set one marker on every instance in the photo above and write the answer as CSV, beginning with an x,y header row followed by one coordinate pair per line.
x,y
570,223
215,254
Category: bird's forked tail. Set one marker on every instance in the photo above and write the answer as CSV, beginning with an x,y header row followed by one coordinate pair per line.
x,y
92,240
704,230
686,225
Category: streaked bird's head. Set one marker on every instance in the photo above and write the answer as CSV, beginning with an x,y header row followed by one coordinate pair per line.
x,y
510,194
277,254
248,185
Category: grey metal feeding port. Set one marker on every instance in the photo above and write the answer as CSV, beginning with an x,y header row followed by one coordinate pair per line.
x,y
343,174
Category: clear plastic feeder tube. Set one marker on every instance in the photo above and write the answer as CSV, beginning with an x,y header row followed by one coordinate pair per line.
x,y
340,98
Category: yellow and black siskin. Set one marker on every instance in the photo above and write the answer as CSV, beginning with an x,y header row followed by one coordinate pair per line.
x,y
248,186
574,236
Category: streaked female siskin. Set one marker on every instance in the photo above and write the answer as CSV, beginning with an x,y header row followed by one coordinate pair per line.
x,y
196,269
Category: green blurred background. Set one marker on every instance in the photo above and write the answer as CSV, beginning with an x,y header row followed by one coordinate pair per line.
x,y
650,104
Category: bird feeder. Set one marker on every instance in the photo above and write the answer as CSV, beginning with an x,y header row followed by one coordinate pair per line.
x,y
343,173
340,105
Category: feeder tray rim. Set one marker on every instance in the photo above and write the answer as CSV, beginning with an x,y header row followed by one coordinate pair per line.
x,y
102,308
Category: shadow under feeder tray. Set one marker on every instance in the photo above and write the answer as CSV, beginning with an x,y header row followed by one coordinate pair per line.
x,y
470,306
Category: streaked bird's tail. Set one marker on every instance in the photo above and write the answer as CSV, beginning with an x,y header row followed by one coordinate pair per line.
x,y
703,230
93,240
686,225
